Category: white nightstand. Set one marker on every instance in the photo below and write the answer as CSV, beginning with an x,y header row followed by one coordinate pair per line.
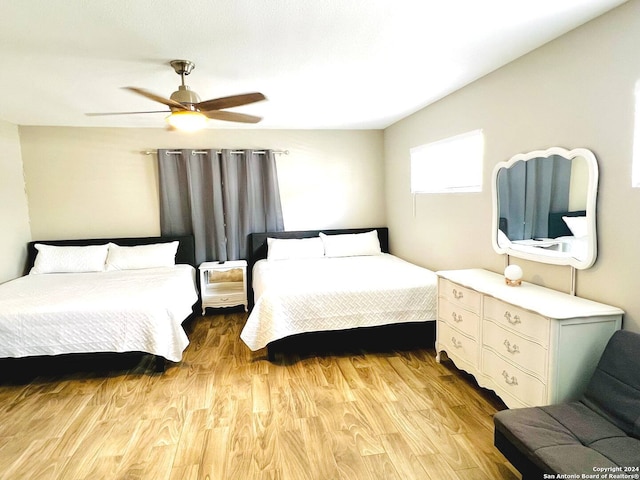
x,y
223,284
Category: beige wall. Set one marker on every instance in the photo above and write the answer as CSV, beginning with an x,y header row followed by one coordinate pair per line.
x,y
577,91
14,212
94,182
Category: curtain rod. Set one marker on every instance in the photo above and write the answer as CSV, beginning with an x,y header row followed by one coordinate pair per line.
x,y
202,152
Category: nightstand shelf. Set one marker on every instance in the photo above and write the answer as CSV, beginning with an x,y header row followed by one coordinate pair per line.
x,y
223,284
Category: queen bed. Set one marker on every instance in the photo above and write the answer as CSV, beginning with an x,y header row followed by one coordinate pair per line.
x,y
101,295
332,280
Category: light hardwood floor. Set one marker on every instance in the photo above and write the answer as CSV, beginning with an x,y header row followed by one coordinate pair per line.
x,y
227,413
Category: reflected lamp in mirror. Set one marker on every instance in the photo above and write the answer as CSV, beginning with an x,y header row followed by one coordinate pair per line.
x,y
544,207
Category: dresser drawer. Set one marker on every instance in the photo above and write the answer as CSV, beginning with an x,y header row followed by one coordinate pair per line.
x,y
465,297
522,321
457,345
456,316
531,356
524,387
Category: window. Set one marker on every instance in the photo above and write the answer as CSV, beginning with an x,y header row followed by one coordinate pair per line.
x,y
450,165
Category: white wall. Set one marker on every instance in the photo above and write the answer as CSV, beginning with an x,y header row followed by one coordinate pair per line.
x,y
14,212
96,182
577,91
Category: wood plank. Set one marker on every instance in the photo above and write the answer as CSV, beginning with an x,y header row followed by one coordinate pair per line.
x,y
190,445
401,456
266,442
380,467
321,459
293,458
350,464
241,442
415,437
215,451
438,469
260,394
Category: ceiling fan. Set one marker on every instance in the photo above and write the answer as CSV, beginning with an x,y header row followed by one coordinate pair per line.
x,y
188,112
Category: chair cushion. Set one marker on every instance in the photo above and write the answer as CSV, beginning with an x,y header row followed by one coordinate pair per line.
x,y
567,438
614,388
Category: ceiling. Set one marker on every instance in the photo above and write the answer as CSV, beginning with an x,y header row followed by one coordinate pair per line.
x,y
339,64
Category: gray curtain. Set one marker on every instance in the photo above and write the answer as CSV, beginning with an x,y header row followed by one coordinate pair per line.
x,y
219,198
529,191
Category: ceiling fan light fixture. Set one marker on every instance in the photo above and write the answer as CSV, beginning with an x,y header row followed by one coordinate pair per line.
x,y
188,112
187,120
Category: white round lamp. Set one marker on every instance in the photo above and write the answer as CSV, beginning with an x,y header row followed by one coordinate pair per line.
x,y
513,275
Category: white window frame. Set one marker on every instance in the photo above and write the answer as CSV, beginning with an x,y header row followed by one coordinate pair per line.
x,y
450,165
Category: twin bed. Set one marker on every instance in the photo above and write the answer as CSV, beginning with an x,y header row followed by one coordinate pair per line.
x,y
332,280
101,295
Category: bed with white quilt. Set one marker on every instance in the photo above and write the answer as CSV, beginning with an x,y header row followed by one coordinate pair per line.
x,y
332,280
104,295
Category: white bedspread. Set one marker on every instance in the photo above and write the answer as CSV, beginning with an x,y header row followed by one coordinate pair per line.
x,y
117,311
308,295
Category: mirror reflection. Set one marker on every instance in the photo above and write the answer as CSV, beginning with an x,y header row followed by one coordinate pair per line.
x,y
544,207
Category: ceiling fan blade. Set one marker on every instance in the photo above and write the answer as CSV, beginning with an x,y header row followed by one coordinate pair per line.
x,y
231,116
156,98
102,114
231,101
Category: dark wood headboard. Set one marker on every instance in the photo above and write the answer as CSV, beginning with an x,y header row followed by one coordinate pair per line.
x,y
185,253
257,245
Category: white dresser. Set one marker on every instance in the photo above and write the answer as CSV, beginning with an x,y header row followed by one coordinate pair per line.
x,y
530,344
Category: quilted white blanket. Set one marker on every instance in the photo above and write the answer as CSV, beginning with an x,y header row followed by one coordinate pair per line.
x,y
318,294
118,311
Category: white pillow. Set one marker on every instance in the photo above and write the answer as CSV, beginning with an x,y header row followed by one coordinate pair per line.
x,y
351,244
289,248
577,225
69,259
142,256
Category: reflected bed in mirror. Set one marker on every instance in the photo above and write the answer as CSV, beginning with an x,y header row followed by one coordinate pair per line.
x,y
544,207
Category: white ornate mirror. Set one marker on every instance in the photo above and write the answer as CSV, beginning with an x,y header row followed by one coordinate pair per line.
x,y
544,207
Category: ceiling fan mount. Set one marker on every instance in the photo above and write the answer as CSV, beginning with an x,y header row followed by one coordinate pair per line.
x,y
184,94
182,67
184,101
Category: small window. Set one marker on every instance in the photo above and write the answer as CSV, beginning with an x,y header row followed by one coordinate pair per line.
x,y
450,165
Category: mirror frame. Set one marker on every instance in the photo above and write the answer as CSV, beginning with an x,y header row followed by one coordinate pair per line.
x,y
592,190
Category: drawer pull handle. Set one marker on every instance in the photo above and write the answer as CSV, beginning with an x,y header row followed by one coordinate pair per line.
x,y
456,343
457,295
513,321
456,318
224,299
510,349
509,381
